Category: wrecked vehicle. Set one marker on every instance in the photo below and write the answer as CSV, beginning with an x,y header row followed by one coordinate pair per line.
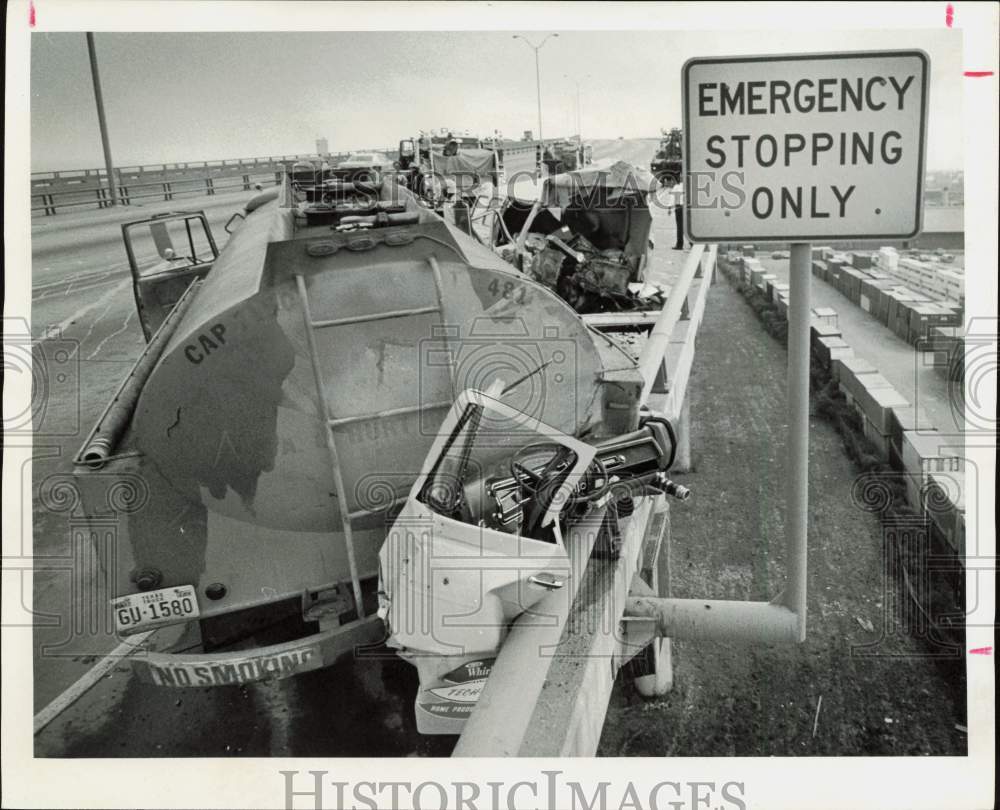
x,y
482,536
584,234
240,482
443,169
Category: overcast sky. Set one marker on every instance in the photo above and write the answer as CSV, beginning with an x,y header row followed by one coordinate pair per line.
x,y
182,96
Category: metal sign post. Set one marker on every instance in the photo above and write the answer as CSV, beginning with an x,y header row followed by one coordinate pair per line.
x,y
793,149
797,492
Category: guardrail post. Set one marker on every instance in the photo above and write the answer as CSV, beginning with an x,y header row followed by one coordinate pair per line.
x,y
651,358
682,461
209,186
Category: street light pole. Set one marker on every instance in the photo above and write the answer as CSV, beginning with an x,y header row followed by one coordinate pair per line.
x,y
579,115
538,75
99,97
538,95
579,111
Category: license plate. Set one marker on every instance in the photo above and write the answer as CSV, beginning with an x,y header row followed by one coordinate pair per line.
x,y
140,611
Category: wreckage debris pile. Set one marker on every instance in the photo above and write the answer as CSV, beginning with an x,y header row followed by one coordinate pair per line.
x,y
589,279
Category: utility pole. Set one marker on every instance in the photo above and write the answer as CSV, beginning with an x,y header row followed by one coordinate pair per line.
x,y
538,76
99,97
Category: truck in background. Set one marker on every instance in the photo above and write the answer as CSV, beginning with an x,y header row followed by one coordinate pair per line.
x,y
666,165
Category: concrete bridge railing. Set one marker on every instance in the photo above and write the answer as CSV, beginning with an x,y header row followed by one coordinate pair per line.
x,y
59,190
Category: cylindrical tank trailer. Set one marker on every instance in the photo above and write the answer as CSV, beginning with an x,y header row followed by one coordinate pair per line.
x,y
281,413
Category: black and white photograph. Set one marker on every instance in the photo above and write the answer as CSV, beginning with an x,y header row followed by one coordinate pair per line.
x,y
523,384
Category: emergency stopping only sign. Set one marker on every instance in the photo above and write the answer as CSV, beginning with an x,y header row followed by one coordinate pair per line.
x,y
805,147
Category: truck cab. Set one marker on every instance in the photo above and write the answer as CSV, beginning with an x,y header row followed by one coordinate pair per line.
x,y
407,154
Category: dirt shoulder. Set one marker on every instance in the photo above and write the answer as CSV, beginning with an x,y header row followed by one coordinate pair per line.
x,y
882,691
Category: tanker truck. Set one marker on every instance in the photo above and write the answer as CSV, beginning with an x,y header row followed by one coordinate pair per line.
x,y
349,369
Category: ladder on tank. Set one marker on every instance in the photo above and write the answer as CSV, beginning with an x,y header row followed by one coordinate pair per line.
x,y
333,422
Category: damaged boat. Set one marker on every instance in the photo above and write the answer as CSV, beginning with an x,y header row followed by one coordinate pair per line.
x,y
286,415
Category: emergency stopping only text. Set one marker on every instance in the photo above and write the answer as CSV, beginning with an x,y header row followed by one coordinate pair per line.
x,y
803,147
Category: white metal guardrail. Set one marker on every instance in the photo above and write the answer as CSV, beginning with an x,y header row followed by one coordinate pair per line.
x,y
548,692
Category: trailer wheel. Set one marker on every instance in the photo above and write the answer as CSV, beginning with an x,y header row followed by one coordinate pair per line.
x,y
652,670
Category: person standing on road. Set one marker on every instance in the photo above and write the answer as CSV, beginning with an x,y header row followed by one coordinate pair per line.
x,y
677,200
